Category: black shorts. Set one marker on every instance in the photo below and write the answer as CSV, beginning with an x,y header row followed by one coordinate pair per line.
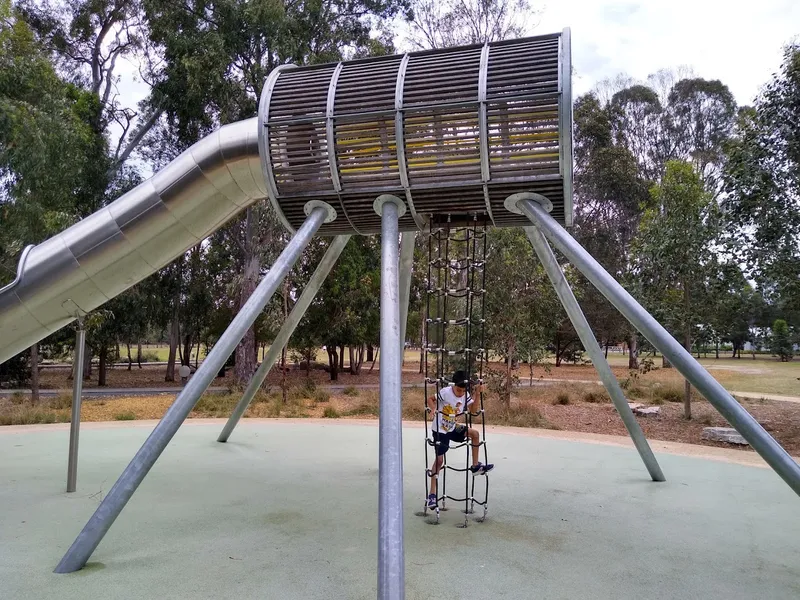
x,y
458,435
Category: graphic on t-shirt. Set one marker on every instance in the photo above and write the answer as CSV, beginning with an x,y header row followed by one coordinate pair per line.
x,y
448,418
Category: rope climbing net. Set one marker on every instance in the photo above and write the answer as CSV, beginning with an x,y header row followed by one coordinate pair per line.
x,y
455,341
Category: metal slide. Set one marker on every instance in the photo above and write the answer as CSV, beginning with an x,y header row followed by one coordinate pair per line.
x,y
121,244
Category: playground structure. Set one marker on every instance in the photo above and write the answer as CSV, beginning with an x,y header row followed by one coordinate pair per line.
x,y
390,145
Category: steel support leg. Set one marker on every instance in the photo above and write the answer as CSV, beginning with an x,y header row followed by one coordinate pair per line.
x,y
77,392
406,268
586,336
145,458
761,441
310,291
391,561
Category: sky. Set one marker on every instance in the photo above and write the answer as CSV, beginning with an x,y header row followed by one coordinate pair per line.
x,y
737,42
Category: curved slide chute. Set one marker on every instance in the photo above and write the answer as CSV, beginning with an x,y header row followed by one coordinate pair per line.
x,y
106,253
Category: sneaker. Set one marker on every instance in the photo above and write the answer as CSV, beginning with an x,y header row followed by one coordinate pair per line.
x,y
431,503
481,469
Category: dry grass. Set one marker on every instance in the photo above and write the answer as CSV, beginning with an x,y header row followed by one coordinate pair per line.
x,y
530,407
596,396
32,415
60,402
562,398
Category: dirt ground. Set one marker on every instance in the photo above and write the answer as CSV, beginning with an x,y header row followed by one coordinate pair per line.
x,y
568,400
568,407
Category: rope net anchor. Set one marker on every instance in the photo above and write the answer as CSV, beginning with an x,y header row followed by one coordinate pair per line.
x,y
455,341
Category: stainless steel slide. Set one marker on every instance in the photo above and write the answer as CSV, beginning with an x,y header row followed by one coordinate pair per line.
x,y
131,238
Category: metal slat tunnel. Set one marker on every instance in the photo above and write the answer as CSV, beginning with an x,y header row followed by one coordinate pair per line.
x,y
453,131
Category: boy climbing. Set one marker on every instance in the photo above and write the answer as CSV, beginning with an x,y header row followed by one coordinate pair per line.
x,y
451,402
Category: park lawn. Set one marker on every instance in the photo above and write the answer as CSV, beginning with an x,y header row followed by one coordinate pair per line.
x,y
765,375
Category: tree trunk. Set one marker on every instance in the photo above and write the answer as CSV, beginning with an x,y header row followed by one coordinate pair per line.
x,y
370,353
197,356
687,343
374,360
35,374
716,348
333,362
284,387
509,360
87,362
353,366
360,359
139,353
422,342
246,350
130,359
186,356
174,334
665,363
606,349
101,370
633,353
341,357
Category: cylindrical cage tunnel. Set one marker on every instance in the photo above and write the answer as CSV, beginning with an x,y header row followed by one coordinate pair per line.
x,y
452,132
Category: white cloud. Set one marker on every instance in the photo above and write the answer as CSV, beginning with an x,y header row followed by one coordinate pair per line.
x,y
737,42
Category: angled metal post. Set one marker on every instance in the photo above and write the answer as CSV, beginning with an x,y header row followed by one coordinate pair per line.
x,y
145,458
391,560
295,316
406,267
578,319
77,392
761,441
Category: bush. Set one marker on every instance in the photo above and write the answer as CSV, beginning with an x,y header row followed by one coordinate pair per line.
x,y
636,392
32,416
322,396
62,401
365,409
521,415
413,408
16,371
125,416
216,405
562,399
596,397
330,413
669,393
350,390
18,398
150,356
706,420
780,341
298,394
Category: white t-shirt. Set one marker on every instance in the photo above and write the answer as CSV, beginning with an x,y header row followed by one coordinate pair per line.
x,y
449,406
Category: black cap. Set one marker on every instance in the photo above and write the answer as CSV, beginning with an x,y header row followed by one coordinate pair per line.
x,y
460,379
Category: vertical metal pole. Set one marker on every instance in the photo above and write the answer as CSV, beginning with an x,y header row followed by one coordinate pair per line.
x,y
761,441
308,295
391,561
586,336
145,458
75,423
406,268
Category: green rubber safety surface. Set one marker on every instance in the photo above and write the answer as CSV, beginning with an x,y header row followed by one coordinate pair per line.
x,y
289,510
